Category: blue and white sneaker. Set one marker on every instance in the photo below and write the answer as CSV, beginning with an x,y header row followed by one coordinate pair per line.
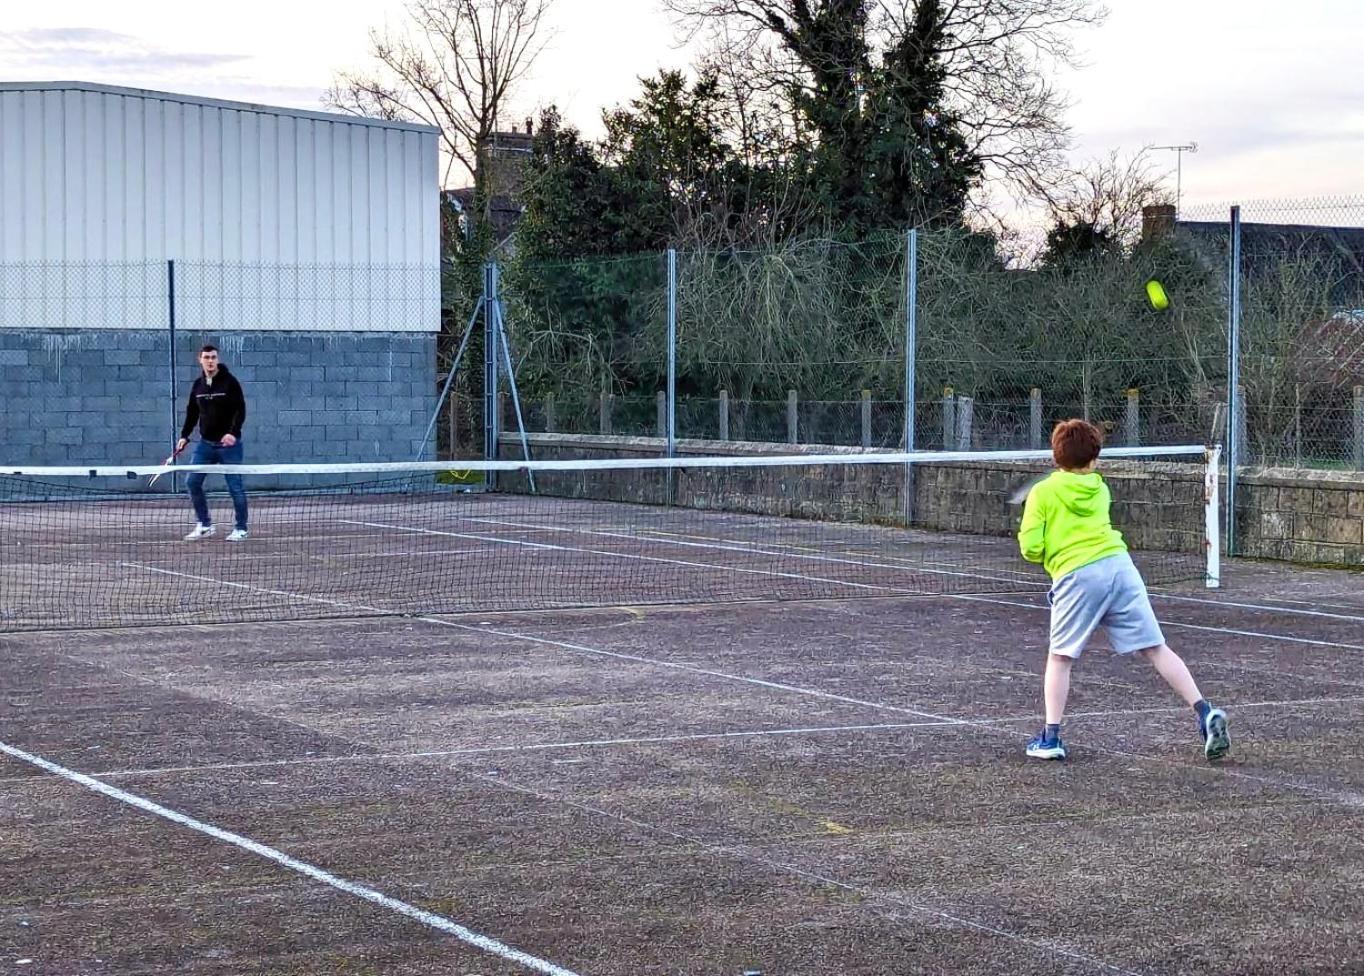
x,y
1213,728
1044,747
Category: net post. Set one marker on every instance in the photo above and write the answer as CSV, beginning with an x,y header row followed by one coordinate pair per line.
x,y
866,418
911,364
1235,407
792,417
724,415
1212,522
1035,419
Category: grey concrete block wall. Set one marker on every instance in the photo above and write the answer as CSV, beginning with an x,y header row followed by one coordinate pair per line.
x,y
71,397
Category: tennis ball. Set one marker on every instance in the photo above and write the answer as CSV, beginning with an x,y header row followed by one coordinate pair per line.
x,y
1155,292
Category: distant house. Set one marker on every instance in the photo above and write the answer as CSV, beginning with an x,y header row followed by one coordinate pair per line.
x,y
1329,349
508,155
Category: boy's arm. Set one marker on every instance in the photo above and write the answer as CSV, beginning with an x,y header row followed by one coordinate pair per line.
x,y
1033,530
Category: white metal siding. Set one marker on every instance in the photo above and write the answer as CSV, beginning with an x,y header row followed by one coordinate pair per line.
x,y
276,219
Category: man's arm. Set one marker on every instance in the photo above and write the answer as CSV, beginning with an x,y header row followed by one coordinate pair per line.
x,y
238,409
1033,530
191,416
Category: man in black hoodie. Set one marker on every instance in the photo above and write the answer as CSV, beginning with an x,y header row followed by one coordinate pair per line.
x,y
218,406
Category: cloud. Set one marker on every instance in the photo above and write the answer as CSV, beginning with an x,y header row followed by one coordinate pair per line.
x,y
75,51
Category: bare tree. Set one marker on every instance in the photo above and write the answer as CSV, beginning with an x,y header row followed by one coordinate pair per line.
x,y
456,69
996,57
1108,196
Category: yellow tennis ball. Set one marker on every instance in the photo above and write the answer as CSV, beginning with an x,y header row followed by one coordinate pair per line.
x,y
1155,292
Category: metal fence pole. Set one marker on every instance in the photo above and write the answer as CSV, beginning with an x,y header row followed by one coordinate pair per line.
x,y
724,415
671,409
1235,408
792,418
174,390
1035,419
491,433
911,363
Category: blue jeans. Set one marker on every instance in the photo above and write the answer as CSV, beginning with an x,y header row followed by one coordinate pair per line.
x,y
210,452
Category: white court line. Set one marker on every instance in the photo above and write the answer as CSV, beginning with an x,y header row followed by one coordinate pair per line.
x,y
1171,623
364,757
785,551
746,853
740,545
438,922
1349,799
1265,607
532,747
631,556
1343,797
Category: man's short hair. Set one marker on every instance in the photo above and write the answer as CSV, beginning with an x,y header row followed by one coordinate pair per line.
x,y
208,347
1075,443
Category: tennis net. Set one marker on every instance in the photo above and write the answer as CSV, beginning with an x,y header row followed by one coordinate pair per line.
x,y
98,547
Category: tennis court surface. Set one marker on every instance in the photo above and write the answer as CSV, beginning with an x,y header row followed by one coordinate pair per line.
x,y
623,741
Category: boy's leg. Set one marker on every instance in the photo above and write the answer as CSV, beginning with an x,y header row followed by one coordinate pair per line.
x,y
1132,627
1172,668
1077,604
1056,686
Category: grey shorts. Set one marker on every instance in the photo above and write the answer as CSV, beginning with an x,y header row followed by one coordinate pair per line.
x,y
1109,594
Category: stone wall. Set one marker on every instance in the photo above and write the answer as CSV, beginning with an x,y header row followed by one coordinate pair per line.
x,y
77,397
1302,516
1158,506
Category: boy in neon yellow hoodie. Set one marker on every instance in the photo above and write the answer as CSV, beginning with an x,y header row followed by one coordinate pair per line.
x,y
1066,528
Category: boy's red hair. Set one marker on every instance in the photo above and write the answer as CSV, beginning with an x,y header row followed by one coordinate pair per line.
x,y
1075,443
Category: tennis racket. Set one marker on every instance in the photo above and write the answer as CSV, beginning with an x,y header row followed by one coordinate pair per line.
x,y
165,464
1020,495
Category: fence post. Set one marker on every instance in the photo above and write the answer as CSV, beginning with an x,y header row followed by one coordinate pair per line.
x,y
551,421
661,414
724,415
1359,428
1241,440
949,419
453,407
792,418
866,418
965,419
501,410
1131,427
1035,419
1297,425
604,405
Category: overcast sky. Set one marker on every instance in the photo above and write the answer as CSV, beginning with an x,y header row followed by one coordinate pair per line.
x,y
1275,101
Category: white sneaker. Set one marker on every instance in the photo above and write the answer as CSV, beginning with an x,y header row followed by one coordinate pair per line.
x,y
200,532
237,535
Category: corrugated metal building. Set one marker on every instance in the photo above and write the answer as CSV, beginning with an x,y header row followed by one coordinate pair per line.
x,y
305,245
